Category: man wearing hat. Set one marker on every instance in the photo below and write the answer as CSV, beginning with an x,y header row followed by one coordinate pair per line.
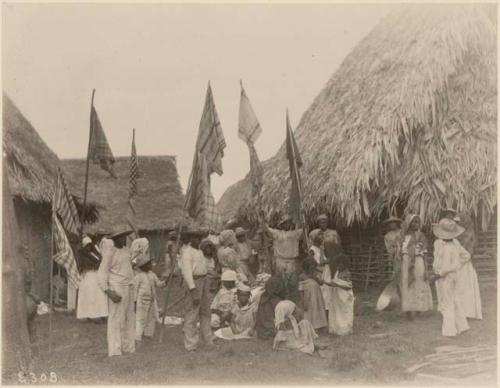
x,y
194,268
391,241
116,279
247,254
331,241
92,301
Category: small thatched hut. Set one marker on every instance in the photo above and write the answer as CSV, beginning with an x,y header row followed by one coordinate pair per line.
x,y
407,122
159,202
32,168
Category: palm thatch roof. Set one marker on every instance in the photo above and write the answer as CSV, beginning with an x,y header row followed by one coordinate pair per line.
x,y
409,118
159,202
32,165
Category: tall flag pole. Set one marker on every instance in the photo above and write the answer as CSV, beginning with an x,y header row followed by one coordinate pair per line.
x,y
98,151
200,204
249,130
295,208
132,192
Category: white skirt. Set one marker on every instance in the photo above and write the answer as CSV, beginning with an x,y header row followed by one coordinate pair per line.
x,y
92,301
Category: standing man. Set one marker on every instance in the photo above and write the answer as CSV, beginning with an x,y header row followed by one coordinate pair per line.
x,y
247,254
116,279
331,242
194,268
286,252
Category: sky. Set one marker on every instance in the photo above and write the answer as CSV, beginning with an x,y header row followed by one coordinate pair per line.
x,y
150,65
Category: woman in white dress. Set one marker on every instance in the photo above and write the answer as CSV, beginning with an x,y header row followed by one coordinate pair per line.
x,y
92,301
449,258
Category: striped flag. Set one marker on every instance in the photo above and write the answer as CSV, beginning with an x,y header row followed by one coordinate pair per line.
x,y
64,254
64,205
249,130
132,192
209,152
295,162
99,149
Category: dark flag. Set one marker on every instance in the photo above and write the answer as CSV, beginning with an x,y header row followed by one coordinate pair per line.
x,y
99,149
295,163
249,130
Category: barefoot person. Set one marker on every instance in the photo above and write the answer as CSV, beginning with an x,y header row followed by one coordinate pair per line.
x,y
116,279
194,268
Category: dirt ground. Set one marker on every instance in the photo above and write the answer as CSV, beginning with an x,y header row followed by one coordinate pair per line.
x,y
382,347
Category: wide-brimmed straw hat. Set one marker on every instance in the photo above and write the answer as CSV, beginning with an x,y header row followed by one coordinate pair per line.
x,y
392,219
120,234
447,229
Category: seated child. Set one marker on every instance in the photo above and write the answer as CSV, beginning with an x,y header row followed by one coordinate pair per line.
x,y
290,334
341,311
145,282
225,299
243,316
311,295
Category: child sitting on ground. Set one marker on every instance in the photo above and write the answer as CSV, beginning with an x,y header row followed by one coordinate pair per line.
x,y
341,311
225,299
311,295
243,316
145,282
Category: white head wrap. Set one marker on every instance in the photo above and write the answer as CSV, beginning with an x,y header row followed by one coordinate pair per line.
x,y
139,251
283,312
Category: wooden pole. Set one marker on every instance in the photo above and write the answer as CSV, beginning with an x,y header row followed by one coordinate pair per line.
x,y
368,268
91,132
51,311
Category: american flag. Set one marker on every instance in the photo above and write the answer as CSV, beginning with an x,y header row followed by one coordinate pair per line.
x,y
64,205
132,192
64,254
133,169
209,152
99,149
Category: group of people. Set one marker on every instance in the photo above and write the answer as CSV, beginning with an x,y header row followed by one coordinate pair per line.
x,y
229,295
306,292
455,278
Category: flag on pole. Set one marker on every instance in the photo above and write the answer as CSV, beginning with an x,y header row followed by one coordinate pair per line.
x,y
99,149
132,192
64,205
249,130
200,204
64,254
295,163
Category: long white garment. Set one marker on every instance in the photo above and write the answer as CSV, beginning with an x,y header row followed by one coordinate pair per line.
x,y
448,258
92,301
326,275
468,289
341,312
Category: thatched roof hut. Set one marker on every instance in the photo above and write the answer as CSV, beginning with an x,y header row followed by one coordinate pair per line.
x,y
31,169
159,202
408,121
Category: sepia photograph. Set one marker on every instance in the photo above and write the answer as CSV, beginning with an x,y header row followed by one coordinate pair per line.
x,y
249,194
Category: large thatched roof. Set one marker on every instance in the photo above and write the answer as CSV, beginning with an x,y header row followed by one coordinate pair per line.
x,y
32,165
159,202
408,118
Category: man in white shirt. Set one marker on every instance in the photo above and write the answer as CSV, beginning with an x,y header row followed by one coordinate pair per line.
x,y
116,278
194,268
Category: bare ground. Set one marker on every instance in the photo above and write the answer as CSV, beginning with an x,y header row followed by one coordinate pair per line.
x,y
382,347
